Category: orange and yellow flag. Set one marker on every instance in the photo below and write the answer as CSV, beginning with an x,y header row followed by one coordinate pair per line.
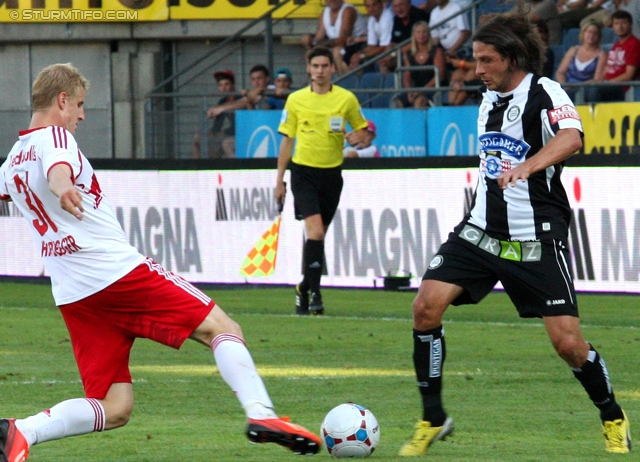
x,y
261,260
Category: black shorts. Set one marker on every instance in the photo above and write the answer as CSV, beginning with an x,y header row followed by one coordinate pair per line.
x,y
535,275
316,191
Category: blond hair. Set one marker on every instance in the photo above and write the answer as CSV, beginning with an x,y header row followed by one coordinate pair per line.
x,y
588,24
53,80
414,43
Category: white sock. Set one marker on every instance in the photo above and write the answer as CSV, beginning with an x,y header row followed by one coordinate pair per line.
x,y
68,418
238,370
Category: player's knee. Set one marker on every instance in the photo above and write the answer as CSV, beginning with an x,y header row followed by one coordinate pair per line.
x,y
419,305
120,420
216,323
231,327
572,350
118,415
425,313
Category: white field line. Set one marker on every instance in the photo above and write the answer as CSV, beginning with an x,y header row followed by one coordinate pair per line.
x,y
327,318
407,320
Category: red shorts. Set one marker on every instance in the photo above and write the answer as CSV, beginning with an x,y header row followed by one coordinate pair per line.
x,y
149,302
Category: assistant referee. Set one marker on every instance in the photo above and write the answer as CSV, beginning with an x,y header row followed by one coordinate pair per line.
x,y
316,115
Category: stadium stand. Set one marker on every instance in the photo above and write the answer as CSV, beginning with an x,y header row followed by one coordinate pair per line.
x,y
370,81
351,82
384,99
559,52
571,37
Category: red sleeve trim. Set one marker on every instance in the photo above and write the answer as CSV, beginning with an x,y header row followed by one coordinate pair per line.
x,y
73,180
81,163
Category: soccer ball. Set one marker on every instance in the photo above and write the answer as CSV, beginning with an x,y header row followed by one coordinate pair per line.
x,y
350,430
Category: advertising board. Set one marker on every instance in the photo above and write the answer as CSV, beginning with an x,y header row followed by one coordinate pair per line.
x,y
201,224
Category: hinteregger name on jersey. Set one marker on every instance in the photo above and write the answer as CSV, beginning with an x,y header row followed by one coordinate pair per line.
x,y
65,246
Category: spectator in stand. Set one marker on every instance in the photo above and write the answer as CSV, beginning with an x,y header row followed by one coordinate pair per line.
x,y
463,75
452,35
540,28
282,87
585,62
222,135
633,7
406,15
623,61
361,147
573,12
251,99
342,29
379,27
424,52
545,10
223,112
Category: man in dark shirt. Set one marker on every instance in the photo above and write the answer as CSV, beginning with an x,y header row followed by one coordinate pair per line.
x,y
406,15
221,137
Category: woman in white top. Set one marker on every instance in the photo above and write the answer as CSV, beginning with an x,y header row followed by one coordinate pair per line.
x,y
341,28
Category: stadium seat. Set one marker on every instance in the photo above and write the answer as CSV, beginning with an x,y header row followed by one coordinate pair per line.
x,y
606,47
571,37
608,36
494,6
384,99
370,81
351,82
558,53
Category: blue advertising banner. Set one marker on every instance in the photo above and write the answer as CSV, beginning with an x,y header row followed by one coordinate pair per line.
x,y
400,132
257,134
452,131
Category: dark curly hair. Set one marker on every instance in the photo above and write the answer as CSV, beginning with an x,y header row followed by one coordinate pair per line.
x,y
514,39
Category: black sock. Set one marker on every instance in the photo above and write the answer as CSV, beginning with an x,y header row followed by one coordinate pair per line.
x,y
313,258
429,352
594,377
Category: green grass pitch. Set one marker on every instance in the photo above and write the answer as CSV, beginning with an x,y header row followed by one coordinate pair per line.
x,y
511,397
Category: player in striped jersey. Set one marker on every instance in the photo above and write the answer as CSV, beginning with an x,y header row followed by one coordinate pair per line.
x,y
108,293
517,229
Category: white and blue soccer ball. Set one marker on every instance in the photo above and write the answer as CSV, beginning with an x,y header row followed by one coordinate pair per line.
x,y
350,430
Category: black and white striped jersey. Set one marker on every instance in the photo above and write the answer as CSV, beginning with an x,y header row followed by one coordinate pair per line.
x,y
512,127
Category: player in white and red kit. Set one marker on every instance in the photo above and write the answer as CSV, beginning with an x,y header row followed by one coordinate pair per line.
x,y
108,293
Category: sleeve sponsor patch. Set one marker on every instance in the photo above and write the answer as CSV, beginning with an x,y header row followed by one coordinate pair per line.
x,y
566,111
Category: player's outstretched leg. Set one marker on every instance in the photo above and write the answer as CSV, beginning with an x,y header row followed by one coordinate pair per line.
x,y
13,445
264,426
281,431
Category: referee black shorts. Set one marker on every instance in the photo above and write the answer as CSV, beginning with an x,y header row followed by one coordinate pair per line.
x,y
316,191
535,275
